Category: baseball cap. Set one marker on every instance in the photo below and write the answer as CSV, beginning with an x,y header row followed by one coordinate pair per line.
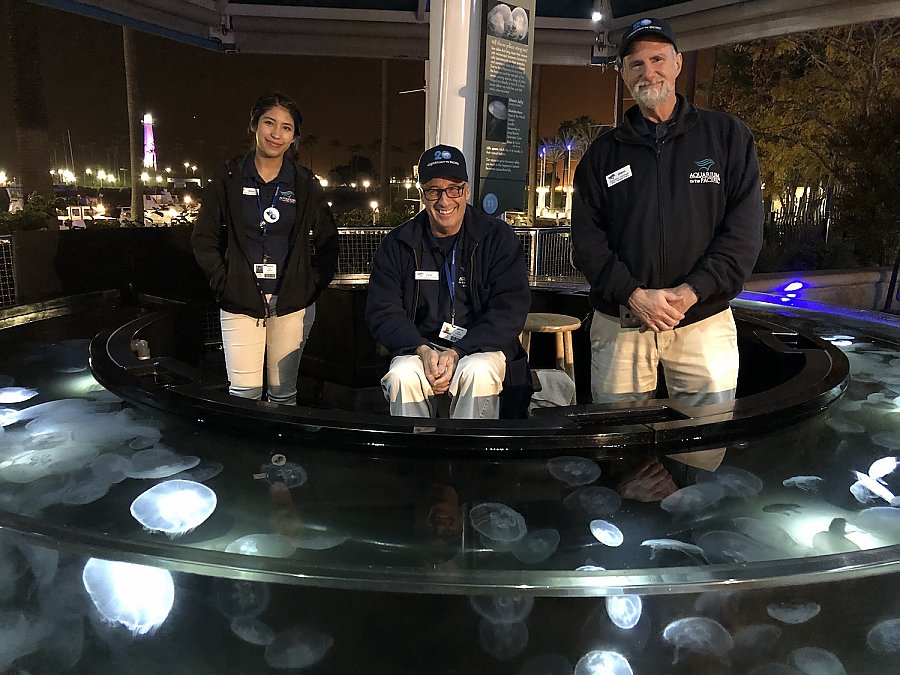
x,y
442,161
646,27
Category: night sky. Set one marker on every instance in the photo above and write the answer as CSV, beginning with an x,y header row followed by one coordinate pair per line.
x,y
201,99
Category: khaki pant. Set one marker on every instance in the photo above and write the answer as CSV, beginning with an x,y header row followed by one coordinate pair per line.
x,y
700,360
248,343
474,390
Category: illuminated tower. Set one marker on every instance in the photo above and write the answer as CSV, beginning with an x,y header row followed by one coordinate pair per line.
x,y
149,143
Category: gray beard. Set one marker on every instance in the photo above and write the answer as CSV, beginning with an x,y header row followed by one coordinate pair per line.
x,y
653,98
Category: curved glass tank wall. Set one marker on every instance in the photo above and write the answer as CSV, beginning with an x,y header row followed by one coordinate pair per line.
x,y
135,540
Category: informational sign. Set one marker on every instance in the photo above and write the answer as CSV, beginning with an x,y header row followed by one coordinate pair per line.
x,y
505,105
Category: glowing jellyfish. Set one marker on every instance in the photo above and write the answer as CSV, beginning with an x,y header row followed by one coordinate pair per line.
x,y
602,662
201,473
536,546
882,467
264,545
590,568
574,470
607,533
16,394
845,426
136,596
241,598
881,520
805,483
498,109
289,474
657,545
594,500
298,648
502,608
735,482
862,494
874,486
145,441
159,462
8,416
503,641
720,546
887,439
84,492
793,612
498,522
693,498
624,610
815,661
698,634
499,20
884,637
252,630
174,507
519,28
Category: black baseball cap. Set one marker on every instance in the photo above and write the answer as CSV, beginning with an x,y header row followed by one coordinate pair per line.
x,y
646,27
442,161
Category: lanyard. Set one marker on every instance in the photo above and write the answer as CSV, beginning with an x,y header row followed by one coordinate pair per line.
x,y
450,276
263,223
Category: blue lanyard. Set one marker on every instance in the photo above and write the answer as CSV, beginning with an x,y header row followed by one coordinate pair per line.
x,y
263,223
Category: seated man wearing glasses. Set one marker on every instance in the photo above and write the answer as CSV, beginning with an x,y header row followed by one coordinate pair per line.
x,y
448,297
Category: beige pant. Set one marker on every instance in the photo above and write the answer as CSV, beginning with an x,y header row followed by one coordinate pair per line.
x,y
248,343
700,360
474,390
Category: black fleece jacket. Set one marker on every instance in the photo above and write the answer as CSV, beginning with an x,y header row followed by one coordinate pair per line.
x,y
688,210
218,243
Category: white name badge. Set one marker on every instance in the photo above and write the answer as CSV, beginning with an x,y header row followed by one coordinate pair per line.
x,y
427,275
618,176
451,332
251,191
266,271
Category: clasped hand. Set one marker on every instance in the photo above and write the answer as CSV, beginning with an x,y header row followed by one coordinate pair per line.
x,y
439,367
661,309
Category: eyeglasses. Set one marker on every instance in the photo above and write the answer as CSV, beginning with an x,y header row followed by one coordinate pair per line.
x,y
452,191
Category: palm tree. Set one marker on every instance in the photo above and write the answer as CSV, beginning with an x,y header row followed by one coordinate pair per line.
x,y
20,24
310,141
333,144
354,149
135,131
554,152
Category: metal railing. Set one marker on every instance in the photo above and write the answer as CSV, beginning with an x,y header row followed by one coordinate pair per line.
x,y
7,273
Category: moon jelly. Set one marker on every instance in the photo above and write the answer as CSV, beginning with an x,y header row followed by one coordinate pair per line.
x,y
536,546
624,610
657,545
882,467
264,545
698,634
602,662
693,498
174,507
252,630
136,596
607,533
498,522
16,394
502,608
793,612
805,483
503,641
887,439
815,661
884,637
574,470
845,426
594,500
734,481
297,648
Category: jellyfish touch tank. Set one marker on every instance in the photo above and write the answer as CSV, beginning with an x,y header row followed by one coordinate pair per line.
x,y
140,533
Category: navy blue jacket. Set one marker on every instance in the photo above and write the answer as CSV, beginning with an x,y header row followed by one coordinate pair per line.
x,y
496,282
218,243
690,211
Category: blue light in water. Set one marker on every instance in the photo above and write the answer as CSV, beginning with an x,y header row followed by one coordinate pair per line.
x,y
791,295
794,286
785,299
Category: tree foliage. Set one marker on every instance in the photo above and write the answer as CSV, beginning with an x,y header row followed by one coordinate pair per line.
x,y
823,106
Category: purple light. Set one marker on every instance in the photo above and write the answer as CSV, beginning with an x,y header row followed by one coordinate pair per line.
x,y
569,146
794,286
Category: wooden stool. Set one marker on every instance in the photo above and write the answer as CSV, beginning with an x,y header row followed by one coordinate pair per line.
x,y
560,324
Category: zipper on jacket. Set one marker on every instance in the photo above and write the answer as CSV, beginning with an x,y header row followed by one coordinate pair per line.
x,y
662,228
416,295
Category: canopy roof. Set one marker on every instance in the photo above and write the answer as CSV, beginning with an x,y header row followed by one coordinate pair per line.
x,y
399,28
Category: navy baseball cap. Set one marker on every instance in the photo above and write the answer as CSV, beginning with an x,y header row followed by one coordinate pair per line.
x,y
647,27
442,161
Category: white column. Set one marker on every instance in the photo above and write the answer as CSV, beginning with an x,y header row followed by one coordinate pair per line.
x,y
452,91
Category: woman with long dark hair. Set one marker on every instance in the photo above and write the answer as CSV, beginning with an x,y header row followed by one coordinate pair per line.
x,y
266,240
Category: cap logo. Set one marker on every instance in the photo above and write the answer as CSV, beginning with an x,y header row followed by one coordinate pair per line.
x,y
437,155
445,154
640,24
